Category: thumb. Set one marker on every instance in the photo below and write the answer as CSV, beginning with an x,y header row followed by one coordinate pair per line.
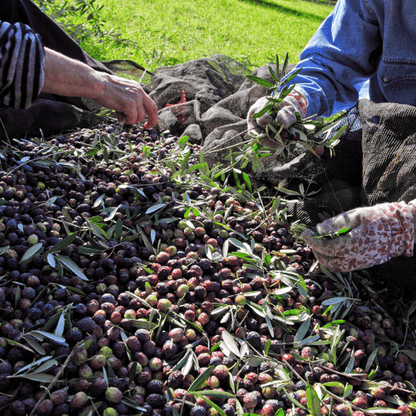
x,y
309,236
120,117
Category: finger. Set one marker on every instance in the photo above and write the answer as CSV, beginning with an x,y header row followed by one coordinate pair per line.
x,y
151,111
120,117
286,117
265,120
350,219
140,116
252,124
334,260
334,247
130,118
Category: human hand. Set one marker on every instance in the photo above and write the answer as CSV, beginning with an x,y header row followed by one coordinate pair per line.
x,y
128,99
71,78
286,112
364,237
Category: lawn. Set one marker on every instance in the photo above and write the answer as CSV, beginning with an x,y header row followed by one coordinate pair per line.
x,y
168,32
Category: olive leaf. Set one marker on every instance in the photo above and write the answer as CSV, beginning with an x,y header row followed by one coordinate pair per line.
x,y
36,346
99,201
154,208
18,344
118,229
371,359
350,365
34,371
303,330
230,343
216,393
314,404
52,337
88,251
199,381
331,235
347,390
335,301
41,378
62,244
133,404
261,81
32,252
51,260
182,361
310,340
59,330
91,409
4,250
72,266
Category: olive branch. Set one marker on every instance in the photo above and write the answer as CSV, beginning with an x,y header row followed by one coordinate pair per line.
x,y
307,134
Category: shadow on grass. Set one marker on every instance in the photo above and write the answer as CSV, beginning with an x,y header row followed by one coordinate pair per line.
x,y
288,10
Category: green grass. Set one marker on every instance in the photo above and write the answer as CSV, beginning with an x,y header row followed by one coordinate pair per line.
x,y
251,31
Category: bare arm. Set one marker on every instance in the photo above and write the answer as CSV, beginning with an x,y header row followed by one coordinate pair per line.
x,y
65,76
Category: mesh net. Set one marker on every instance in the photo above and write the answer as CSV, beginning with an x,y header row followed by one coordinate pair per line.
x,y
389,171
208,99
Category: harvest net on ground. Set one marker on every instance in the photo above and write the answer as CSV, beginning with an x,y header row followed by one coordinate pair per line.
x,y
137,278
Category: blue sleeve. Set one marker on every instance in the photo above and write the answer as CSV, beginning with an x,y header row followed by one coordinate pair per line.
x,y
22,58
341,56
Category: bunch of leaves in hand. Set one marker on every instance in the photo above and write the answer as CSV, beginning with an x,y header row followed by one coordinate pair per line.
x,y
313,133
277,76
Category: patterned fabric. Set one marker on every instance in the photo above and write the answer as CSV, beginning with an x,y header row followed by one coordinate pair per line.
x,y
294,102
376,234
21,65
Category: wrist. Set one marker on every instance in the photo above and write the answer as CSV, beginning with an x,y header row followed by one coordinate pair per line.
x,y
412,206
408,219
301,102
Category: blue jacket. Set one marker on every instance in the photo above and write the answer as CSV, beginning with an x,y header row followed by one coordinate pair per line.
x,y
363,45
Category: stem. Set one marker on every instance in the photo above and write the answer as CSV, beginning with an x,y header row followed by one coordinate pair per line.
x,y
52,383
346,402
216,148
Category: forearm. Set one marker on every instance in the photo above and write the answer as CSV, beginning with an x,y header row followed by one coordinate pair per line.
x,y
67,77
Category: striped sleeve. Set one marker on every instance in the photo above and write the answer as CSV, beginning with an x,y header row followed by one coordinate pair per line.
x,y
22,58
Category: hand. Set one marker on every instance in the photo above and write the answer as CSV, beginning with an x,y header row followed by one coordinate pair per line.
x,y
376,234
294,102
71,78
128,99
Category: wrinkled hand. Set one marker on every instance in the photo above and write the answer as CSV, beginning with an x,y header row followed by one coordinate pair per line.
x,y
376,234
294,102
128,99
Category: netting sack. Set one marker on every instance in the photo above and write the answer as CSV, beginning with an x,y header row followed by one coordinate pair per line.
x,y
374,162
389,171
204,98
334,180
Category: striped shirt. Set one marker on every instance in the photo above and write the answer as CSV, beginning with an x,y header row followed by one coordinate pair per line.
x,y
22,58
